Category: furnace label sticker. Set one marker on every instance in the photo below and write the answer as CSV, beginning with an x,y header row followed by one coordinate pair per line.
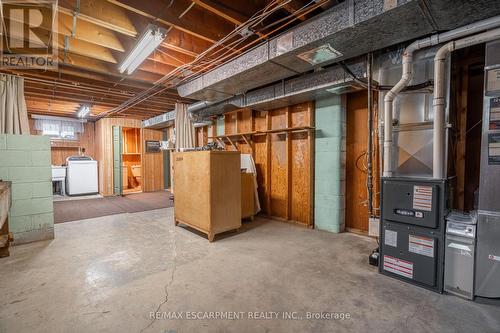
x,y
493,84
421,245
391,238
494,149
398,266
422,198
495,113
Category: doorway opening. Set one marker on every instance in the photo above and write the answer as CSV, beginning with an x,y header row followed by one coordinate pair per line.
x,y
132,181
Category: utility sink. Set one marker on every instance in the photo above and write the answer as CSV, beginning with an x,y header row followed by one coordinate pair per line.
x,y
58,172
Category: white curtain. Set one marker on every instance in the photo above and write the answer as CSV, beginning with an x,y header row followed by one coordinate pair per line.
x,y
184,129
13,111
57,127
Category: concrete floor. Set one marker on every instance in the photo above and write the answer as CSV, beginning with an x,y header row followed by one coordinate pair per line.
x,y
108,274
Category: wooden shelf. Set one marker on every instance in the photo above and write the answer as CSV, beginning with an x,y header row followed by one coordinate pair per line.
x,y
131,154
280,130
65,147
64,144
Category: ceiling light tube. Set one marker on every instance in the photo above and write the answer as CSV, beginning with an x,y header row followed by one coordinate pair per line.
x,y
84,111
147,43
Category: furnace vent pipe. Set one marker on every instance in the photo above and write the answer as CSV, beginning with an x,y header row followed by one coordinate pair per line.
x,y
439,103
473,28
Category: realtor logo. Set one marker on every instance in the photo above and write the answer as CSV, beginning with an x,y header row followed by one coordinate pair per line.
x,y
29,34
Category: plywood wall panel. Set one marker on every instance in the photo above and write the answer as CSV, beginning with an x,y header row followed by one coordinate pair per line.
x,y
104,149
244,121
279,118
279,190
152,163
230,123
283,158
300,194
356,176
261,163
259,120
300,115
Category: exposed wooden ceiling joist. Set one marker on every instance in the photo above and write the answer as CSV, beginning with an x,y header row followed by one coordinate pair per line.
x,y
222,11
196,22
101,13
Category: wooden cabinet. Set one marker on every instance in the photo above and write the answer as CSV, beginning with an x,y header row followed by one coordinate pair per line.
x,y
207,187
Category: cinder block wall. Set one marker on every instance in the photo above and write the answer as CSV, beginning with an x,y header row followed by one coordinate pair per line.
x,y
330,156
25,160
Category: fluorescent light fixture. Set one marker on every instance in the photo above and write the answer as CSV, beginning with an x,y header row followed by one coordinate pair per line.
x,y
147,43
84,111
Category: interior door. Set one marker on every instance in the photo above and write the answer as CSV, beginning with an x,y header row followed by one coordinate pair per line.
x,y
117,160
356,208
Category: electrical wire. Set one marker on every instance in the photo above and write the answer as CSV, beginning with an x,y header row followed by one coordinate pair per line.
x,y
256,19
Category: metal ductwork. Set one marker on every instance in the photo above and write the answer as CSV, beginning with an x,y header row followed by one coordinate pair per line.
x,y
347,30
160,121
333,80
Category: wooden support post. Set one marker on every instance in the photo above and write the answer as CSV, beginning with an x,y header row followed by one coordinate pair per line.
x,y
311,139
268,164
245,139
288,166
232,143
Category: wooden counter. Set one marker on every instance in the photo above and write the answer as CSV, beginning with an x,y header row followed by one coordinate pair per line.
x,y
207,193
5,203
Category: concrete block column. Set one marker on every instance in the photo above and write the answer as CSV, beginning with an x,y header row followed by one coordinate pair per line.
x,y
25,160
330,155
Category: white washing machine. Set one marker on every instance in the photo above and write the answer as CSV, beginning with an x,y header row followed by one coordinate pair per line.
x,y
81,175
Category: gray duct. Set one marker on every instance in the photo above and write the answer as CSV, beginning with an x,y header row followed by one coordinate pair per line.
x,y
347,30
333,80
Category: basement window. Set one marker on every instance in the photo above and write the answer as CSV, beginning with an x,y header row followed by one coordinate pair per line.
x,y
59,129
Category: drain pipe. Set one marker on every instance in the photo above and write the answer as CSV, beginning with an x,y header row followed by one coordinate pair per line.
x,y
439,103
408,75
369,71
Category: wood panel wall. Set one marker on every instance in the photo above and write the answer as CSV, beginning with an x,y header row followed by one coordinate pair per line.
x,y
201,136
356,162
282,144
104,149
61,149
356,209
152,163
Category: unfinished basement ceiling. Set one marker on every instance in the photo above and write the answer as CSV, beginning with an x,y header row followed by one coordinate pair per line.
x,y
349,29
106,30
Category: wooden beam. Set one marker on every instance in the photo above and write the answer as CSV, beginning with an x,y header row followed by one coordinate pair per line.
x,y
222,11
101,13
69,95
61,98
186,43
97,81
71,108
196,22
294,5
89,32
97,66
